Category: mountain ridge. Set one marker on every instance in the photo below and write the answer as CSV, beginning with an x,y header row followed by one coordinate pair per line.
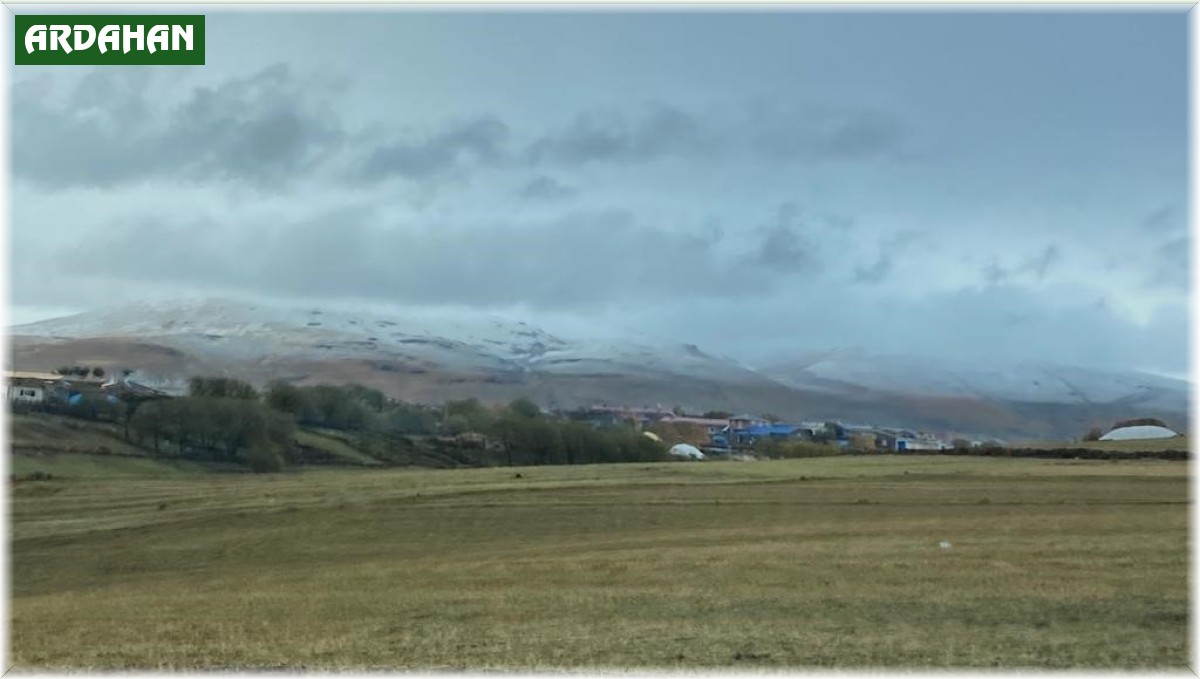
x,y
423,355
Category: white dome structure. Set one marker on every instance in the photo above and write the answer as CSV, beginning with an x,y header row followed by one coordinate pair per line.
x,y
687,451
1139,433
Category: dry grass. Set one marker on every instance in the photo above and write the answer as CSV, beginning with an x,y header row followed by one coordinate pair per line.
x,y
43,433
1150,445
824,562
332,444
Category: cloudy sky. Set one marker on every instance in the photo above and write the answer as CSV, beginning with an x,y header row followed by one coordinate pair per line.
x,y
979,185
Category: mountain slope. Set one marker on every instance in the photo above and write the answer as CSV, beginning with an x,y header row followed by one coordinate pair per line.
x,y
1031,382
429,357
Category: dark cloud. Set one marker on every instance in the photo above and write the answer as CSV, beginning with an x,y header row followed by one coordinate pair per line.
x,y
1167,259
876,272
999,323
1170,265
659,132
265,129
890,248
583,258
762,131
274,127
546,189
786,246
480,141
825,134
1037,267
994,274
1166,219
1040,265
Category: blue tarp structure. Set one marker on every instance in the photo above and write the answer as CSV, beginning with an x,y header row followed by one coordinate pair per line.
x,y
771,430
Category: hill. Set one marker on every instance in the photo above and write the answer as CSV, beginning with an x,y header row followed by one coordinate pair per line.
x,y
422,356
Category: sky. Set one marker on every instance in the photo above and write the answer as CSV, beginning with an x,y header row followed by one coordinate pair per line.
x,y
976,185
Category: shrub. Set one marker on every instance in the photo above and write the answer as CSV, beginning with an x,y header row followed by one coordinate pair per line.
x,y
1141,422
784,450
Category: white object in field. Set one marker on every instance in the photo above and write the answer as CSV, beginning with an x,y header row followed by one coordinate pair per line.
x,y
944,545
652,436
1139,433
685,450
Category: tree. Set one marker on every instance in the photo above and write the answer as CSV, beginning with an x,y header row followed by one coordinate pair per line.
x,y
717,415
335,407
405,418
372,398
1141,422
523,407
1093,434
475,415
456,424
97,372
835,430
290,399
237,431
527,439
222,387
149,420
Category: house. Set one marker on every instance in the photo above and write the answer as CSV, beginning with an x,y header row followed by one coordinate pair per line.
x,y
907,444
759,432
31,388
906,441
713,426
738,422
750,435
126,389
26,394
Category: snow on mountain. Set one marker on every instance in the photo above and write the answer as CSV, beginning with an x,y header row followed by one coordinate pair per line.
x,y
1032,382
453,355
455,342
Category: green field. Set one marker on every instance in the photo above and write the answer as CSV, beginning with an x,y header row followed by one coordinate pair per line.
x,y
831,562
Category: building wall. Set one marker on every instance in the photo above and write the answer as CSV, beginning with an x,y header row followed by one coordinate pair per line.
x,y
26,394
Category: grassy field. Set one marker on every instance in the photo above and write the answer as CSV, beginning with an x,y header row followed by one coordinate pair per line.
x,y
829,562
1149,445
332,444
41,433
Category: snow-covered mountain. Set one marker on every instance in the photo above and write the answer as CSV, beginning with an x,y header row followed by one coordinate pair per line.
x,y
853,369
429,356
430,339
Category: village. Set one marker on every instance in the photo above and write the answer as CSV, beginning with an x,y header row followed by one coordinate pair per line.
x,y
725,434
92,393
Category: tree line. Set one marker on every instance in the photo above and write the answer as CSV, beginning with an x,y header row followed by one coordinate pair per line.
x,y
228,420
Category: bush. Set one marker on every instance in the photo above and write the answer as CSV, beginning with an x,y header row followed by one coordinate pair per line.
x,y
263,460
1141,422
222,387
790,449
220,429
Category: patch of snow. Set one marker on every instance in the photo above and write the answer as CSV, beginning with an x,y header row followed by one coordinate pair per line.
x,y
1020,381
